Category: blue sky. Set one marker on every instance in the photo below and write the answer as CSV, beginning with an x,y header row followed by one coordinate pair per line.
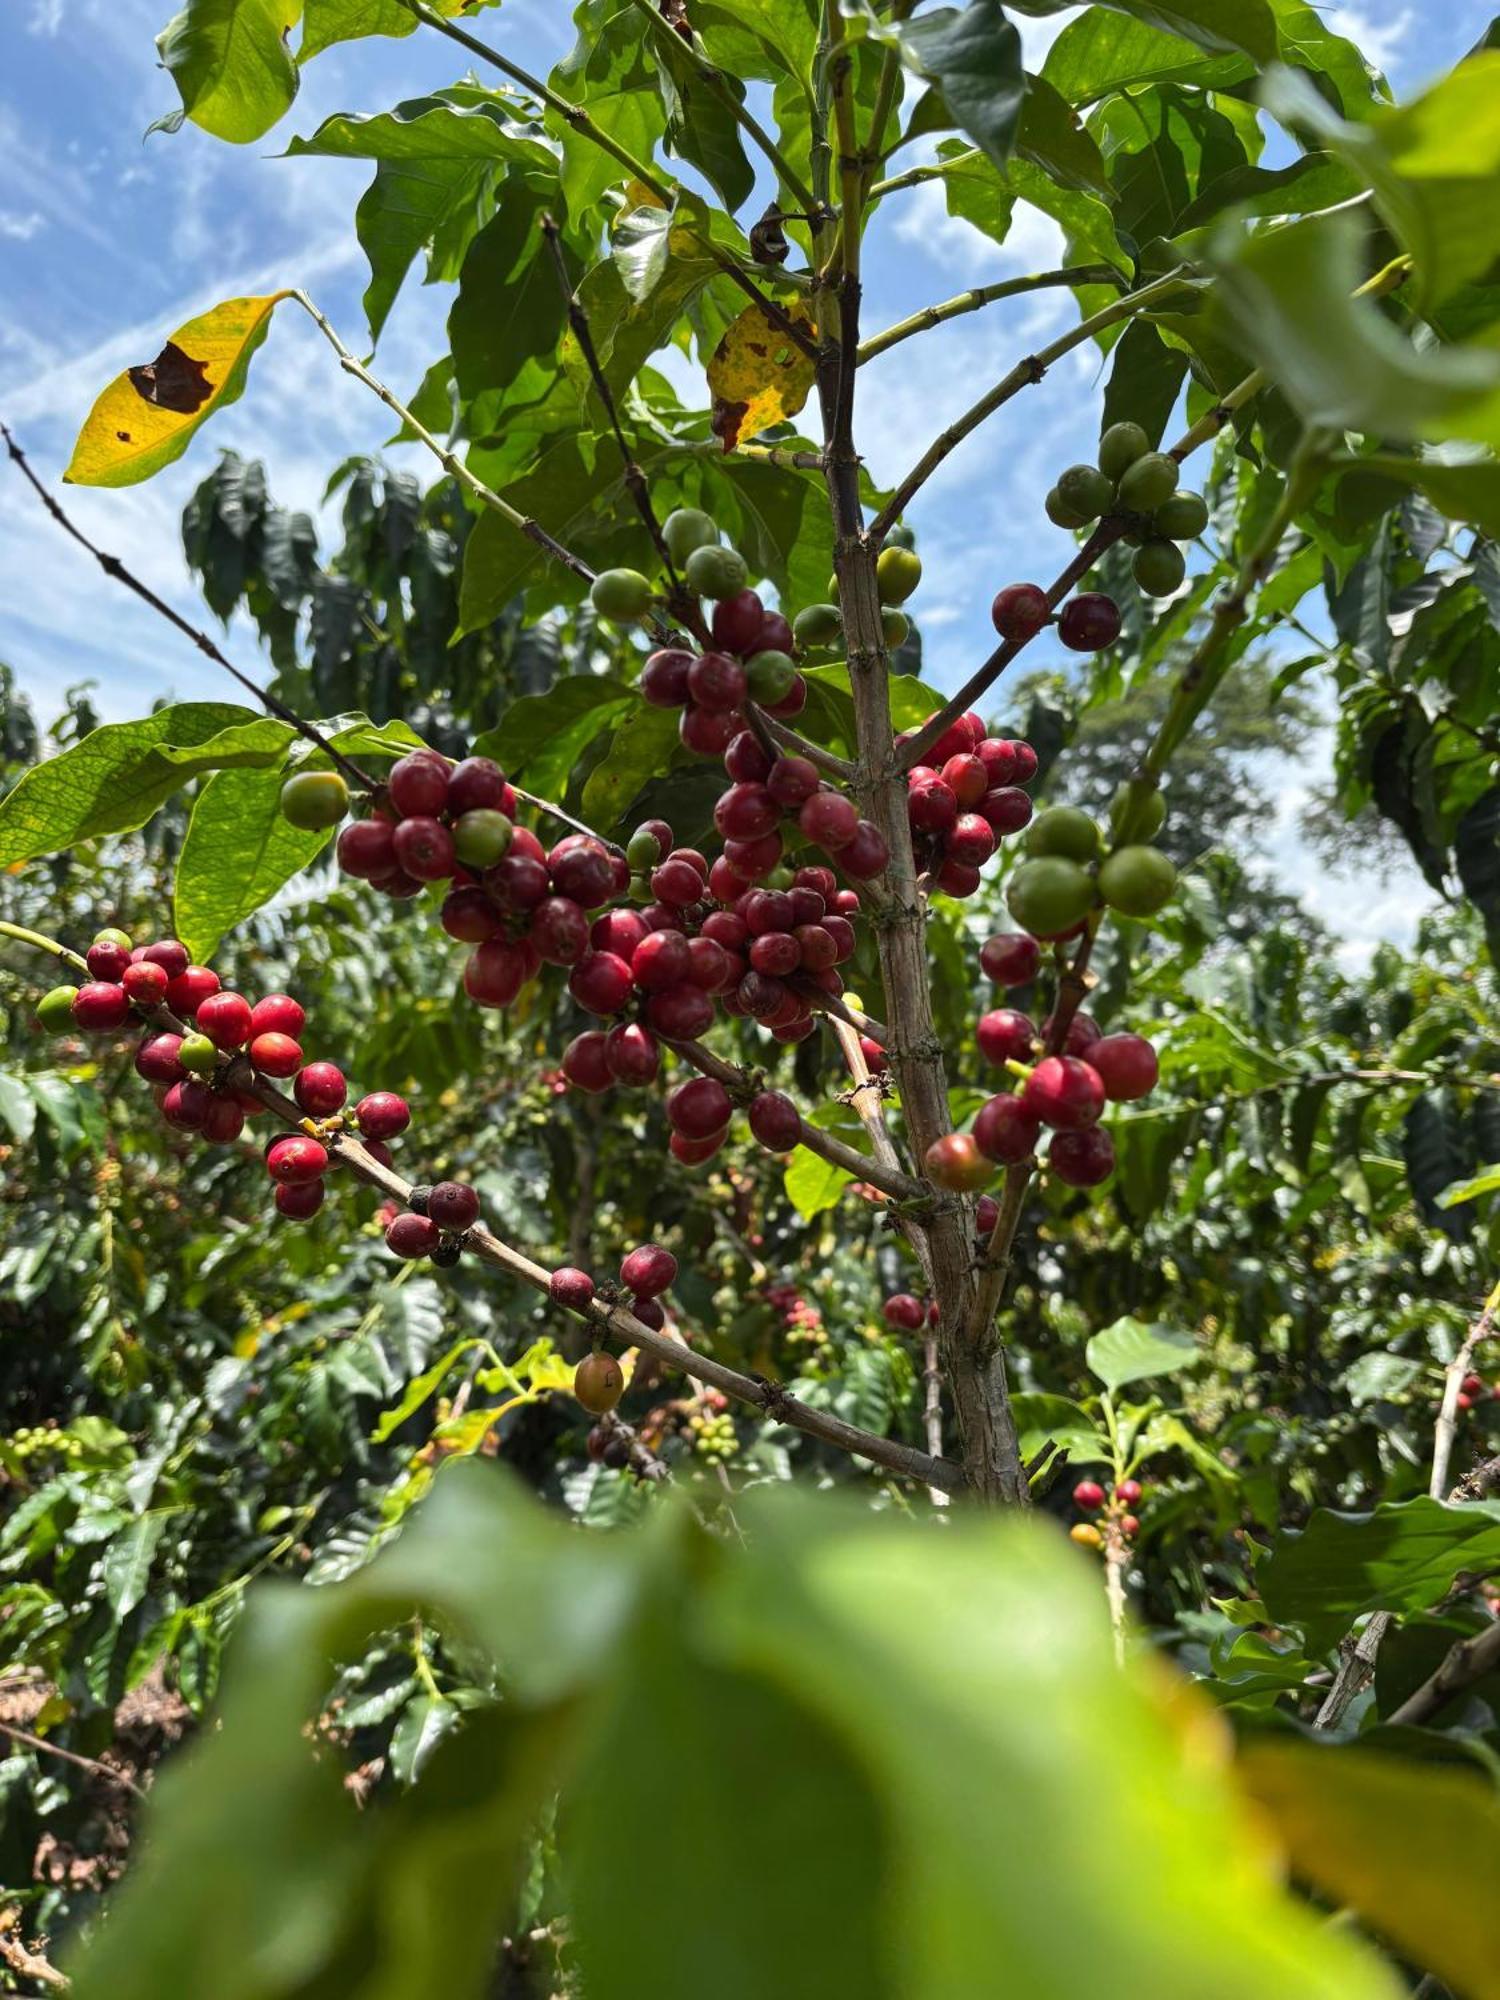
x,y
108,240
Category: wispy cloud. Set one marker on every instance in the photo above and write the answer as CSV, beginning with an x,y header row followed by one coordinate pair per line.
x,y
1381,40
21,228
46,17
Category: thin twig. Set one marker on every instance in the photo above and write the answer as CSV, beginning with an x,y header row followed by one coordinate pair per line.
x,y
983,295
116,570
18,1955
89,1764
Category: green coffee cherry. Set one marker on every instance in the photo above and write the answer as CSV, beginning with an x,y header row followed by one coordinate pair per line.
x,y
769,677
894,625
121,938
641,890
1136,813
199,1055
1137,881
314,799
1159,567
1049,895
1085,491
897,573
686,529
621,594
1065,830
481,837
1120,447
54,1011
818,625
643,850
901,536
1149,483
779,878
1182,517
1060,513
716,573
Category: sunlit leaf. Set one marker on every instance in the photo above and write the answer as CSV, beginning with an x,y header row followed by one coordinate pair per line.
x,y
758,376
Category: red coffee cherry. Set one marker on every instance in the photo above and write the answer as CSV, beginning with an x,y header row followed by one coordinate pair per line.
x,y
632,1056
957,740
681,1013
569,1286
382,1115
584,1063
418,785
1089,1495
664,678
717,683
107,961
865,854
930,805
366,848
171,956
661,959
738,622
226,1020
1006,809
875,1056
1005,1131
956,1163
775,1121
412,1236
598,1383
583,868
277,1014
1127,1064
424,849
970,842
145,984
1082,1159
746,812
792,781
1064,1092
519,882
1020,611
1026,761
1089,622
190,988
693,1152
299,1200
677,883
559,931
320,1089
698,1108
746,758
967,779
600,982
453,1205
223,1121
186,1104
477,784
275,1055
902,1310
1011,958
469,915
1128,1490
829,819
1005,1036
495,972
709,965
100,1006
296,1159
708,732
156,1059
648,1270
986,1214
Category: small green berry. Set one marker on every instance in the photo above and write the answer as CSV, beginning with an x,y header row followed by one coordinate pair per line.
x,y
621,594
1120,447
643,849
894,625
1086,491
686,529
1049,895
54,1011
312,800
198,1054
898,571
1182,517
481,837
1137,881
715,573
818,625
121,938
1060,513
1149,483
1065,830
1159,568
769,677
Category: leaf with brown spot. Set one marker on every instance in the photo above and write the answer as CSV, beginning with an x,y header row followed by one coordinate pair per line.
x,y
148,414
758,376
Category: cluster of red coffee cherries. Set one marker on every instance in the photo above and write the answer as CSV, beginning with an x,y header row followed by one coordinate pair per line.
x,y
960,802
1089,1497
434,822
750,660
1066,1092
202,1079
645,1274
1474,1389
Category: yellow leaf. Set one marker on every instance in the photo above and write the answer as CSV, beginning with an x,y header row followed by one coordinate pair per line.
x,y
1413,1848
146,416
758,376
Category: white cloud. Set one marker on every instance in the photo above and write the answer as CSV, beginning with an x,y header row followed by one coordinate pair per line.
x,y
21,228
46,17
1380,41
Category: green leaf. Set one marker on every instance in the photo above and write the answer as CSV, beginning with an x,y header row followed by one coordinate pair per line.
x,y
1476,855
973,56
1431,165
1053,137
1418,1892
701,128
1336,358
1098,54
240,849
1376,1377
17,1107
1246,25
231,63
115,779
1403,1556
1470,1190
510,307
435,154
418,1391
565,488
1057,1419
1131,1351
126,1564
813,1183
641,749
541,736
423,1725
1145,380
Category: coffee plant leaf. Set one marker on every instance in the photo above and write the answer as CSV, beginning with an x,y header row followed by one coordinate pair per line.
x,y
758,376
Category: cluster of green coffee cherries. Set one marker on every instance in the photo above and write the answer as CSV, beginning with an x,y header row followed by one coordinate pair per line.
x,y
1071,867
1133,481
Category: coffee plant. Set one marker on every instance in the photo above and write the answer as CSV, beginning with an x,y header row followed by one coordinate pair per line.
x,y
591,1003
